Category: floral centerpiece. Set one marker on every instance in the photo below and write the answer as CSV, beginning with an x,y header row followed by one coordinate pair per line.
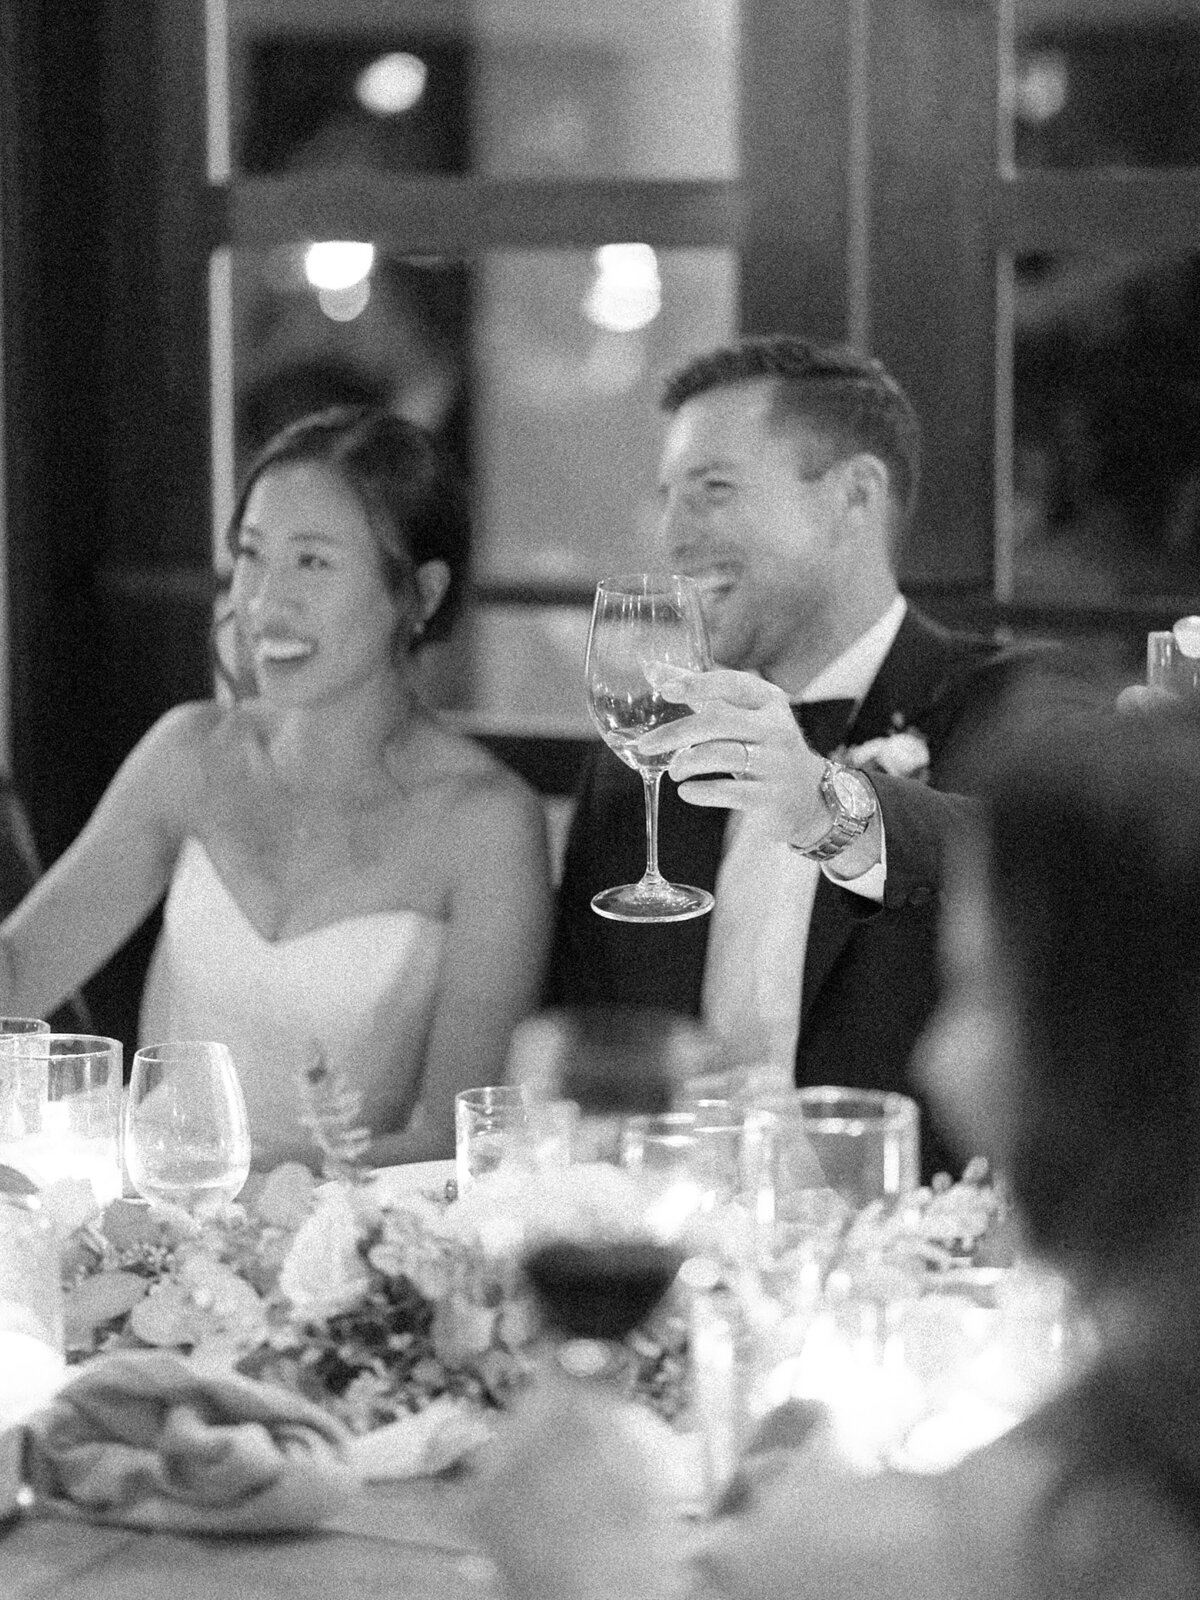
x,y
386,1309
379,1308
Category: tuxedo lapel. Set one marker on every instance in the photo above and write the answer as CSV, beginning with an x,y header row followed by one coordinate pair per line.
x,y
911,679
908,691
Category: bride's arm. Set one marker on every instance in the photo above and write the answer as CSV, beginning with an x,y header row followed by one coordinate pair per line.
x,y
110,878
496,942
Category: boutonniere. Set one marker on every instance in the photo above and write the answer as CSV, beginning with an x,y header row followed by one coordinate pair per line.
x,y
903,753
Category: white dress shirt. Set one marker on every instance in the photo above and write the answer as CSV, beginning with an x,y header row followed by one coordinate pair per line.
x,y
764,900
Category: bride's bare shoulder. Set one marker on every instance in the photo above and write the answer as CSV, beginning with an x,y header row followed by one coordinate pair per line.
x,y
200,734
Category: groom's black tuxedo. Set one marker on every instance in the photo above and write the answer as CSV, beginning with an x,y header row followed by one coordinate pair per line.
x,y
870,971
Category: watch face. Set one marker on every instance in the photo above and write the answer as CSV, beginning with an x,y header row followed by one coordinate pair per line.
x,y
853,793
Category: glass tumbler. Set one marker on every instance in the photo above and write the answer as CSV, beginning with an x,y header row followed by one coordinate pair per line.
x,y
696,1151
66,1121
1173,658
22,1085
866,1141
490,1125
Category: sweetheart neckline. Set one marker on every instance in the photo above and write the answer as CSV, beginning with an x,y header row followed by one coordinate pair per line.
x,y
406,912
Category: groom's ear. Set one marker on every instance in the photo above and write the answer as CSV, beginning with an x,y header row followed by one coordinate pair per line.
x,y
866,484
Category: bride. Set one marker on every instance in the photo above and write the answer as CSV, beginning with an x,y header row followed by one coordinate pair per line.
x,y
348,880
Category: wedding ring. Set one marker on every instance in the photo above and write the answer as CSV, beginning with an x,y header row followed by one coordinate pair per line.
x,y
744,770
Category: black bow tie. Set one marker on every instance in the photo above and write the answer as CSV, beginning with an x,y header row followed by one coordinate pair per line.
x,y
825,723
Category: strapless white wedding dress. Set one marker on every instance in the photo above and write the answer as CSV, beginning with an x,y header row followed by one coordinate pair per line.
x,y
361,990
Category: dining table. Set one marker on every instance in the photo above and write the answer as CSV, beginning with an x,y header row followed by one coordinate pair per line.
x,y
409,1537
406,1535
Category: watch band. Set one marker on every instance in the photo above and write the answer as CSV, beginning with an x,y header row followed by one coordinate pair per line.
x,y
844,827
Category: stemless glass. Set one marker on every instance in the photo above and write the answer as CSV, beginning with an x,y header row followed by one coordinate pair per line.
x,y
693,1156
22,1086
818,1155
187,1138
489,1123
60,1106
866,1140
1173,658
642,626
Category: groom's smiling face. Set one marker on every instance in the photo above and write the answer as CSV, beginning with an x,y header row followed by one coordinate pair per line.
x,y
742,516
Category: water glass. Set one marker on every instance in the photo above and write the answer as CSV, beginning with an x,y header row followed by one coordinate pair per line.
x,y
1173,658
22,1089
695,1150
187,1136
490,1125
865,1141
60,1108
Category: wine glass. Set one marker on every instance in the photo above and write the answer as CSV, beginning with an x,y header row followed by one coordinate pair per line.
x,y
187,1138
602,1262
642,626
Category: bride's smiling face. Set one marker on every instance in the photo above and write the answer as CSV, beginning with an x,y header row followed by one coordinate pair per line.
x,y
309,592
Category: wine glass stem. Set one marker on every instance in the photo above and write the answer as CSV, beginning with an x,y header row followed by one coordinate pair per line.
x,y
650,783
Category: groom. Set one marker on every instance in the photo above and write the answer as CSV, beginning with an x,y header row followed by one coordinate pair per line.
x,y
788,474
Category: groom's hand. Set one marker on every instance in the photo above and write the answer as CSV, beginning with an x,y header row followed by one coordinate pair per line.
x,y
742,748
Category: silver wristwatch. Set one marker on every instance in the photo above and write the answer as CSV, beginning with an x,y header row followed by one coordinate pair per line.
x,y
851,802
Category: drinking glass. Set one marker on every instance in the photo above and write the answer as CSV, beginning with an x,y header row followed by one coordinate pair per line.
x,y
597,1282
691,1156
1173,658
863,1144
22,1088
187,1138
61,1112
642,626
489,1125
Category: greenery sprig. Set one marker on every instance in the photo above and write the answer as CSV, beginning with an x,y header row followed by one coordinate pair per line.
x,y
331,1109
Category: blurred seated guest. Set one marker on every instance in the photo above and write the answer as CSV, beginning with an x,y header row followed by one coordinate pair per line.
x,y
1066,1045
348,880
812,777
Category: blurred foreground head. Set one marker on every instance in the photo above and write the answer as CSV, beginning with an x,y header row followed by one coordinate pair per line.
x,y
613,1060
1067,1042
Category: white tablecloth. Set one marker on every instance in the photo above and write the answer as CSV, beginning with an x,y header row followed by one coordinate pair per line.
x,y
416,1177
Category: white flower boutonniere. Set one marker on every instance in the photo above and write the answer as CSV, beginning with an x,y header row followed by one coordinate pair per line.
x,y
903,754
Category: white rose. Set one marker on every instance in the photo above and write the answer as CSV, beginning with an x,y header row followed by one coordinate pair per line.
x,y
323,1272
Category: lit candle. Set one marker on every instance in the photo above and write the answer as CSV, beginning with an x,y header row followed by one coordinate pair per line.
x,y
57,1151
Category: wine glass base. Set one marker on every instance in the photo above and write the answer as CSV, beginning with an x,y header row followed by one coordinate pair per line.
x,y
638,902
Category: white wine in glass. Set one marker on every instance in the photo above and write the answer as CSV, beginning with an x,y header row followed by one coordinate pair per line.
x,y
643,627
187,1137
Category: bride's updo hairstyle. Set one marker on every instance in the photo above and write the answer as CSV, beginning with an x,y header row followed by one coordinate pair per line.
x,y
408,486
1093,867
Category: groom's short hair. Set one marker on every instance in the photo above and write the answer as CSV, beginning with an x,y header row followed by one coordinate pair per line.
x,y
847,400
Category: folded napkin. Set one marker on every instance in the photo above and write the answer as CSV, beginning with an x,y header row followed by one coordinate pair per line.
x,y
143,1439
